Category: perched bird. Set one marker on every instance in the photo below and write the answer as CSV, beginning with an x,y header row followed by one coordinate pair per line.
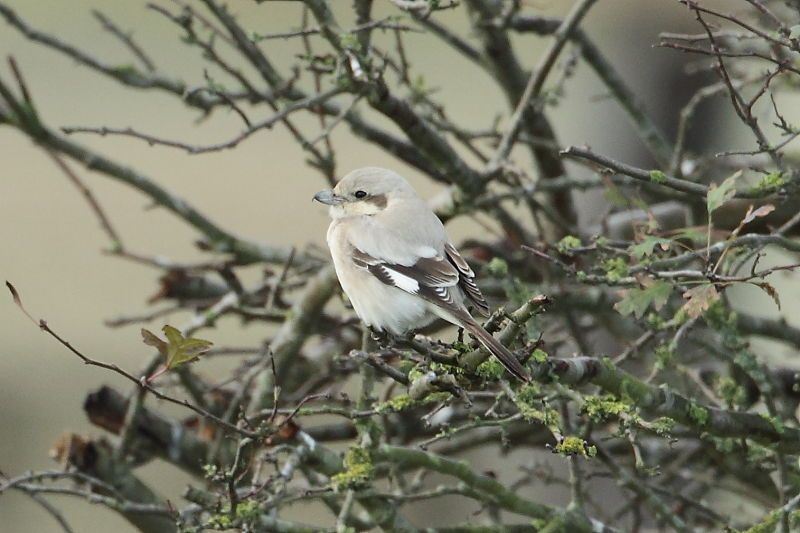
x,y
395,263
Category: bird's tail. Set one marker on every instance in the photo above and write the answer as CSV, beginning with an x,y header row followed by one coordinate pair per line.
x,y
502,353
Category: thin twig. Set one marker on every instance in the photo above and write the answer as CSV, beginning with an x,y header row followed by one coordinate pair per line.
x,y
538,77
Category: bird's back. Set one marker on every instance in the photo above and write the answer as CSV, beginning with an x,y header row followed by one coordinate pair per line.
x,y
400,234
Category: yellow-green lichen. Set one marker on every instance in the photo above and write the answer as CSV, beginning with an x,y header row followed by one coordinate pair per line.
x,y
221,520
443,368
568,244
404,402
615,268
769,183
209,471
358,470
575,446
395,405
491,369
771,522
349,41
665,355
539,356
775,422
759,455
461,347
663,426
698,414
729,390
416,373
599,408
498,267
247,512
655,321
656,176
529,394
545,415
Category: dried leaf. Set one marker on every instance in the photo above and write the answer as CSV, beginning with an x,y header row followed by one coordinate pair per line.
x,y
71,449
769,289
287,428
149,338
699,299
14,293
18,301
762,211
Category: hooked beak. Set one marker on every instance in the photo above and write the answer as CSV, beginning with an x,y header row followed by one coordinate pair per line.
x,y
328,197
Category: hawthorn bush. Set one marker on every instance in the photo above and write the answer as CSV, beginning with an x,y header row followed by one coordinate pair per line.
x,y
647,389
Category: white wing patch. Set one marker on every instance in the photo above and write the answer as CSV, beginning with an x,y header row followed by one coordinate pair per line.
x,y
401,281
432,278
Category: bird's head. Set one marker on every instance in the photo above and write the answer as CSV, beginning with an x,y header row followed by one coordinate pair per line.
x,y
366,191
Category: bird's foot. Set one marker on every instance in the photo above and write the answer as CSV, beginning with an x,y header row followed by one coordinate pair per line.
x,y
384,339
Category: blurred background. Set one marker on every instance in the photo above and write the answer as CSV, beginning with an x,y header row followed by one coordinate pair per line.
x,y
51,245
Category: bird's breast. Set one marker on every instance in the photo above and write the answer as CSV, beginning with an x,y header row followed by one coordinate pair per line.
x,y
379,305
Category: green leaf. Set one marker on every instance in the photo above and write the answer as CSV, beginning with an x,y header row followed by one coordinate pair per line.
x,y
637,301
719,194
178,349
646,247
794,31
769,183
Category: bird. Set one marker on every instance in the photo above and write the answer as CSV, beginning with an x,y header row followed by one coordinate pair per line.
x,y
396,264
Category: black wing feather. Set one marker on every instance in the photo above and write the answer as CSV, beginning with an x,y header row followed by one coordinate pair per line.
x,y
432,279
467,279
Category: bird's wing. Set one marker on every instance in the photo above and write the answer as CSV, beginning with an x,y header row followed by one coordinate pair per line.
x,y
466,279
430,278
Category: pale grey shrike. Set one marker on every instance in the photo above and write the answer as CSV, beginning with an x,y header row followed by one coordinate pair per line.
x,y
395,263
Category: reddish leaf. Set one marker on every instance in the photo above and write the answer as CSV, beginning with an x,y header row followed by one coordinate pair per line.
x,y
699,299
769,289
762,211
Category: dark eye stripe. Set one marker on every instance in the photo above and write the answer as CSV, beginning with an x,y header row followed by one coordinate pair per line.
x,y
379,200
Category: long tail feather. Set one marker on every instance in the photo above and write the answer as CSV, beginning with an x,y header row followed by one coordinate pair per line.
x,y
502,353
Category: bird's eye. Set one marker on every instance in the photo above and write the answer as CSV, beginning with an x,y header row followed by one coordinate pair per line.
x,y
360,194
